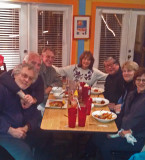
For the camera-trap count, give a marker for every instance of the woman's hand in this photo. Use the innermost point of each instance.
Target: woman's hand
(111, 106)
(124, 132)
(117, 108)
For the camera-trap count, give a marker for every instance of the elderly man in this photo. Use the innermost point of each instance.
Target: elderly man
(36, 90)
(19, 125)
(48, 73)
(114, 81)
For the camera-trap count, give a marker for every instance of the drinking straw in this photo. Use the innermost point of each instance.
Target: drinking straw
(78, 102)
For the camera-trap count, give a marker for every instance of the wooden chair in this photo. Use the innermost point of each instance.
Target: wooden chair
(3, 68)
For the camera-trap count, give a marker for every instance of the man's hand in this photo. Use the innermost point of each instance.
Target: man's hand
(48, 90)
(25, 105)
(19, 133)
(27, 101)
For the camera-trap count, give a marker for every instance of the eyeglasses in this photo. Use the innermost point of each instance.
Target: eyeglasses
(24, 75)
(109, 65)
(139, 80)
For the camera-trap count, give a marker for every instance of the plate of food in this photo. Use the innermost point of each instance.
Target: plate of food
(99, 102)
(56, 103)
(96, 90)
(104, 116)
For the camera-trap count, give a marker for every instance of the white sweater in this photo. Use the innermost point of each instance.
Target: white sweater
(73, 72)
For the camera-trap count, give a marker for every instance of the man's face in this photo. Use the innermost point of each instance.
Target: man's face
(36, 62)
(110, 67)
(25, 78)
(48, 58)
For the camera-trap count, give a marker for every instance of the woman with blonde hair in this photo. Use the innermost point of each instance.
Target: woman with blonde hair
(128, 70)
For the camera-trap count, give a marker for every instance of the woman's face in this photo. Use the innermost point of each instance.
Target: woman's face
(140, 83)
(86, 63)
(128, 74)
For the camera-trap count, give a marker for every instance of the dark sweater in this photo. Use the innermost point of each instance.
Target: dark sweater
(12, 114)
(114, 87)
(134, 113)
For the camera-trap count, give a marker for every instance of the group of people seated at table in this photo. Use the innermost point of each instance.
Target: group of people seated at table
(28, 85)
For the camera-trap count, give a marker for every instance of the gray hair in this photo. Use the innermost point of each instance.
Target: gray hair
(48, 49)
(113, 58)
(30, 56)
(17, 70)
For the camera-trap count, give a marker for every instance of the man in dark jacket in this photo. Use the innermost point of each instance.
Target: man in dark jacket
(114, 81)
(17, 123)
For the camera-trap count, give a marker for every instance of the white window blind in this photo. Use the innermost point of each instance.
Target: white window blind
(50, 32)
(111, 29)
(9, 36)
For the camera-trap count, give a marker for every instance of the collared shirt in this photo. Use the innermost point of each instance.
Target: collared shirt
(50, 77)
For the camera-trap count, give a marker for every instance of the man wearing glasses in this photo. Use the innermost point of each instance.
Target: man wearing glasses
(114, 81)
(19, 124)
(48, 73)
(36, 90)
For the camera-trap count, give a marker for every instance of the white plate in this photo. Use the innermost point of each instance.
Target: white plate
(57, 89)
(97, 101)
(52, 100)
(96, 90)
(99, 113)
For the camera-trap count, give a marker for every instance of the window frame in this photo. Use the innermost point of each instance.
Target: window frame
(67, 29)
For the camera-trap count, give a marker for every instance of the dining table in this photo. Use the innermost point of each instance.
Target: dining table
(56, 119)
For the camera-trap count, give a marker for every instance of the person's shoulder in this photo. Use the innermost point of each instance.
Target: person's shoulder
(9, 73)
(42, 68)
(39, 80)
(2, 87)
(52, 69)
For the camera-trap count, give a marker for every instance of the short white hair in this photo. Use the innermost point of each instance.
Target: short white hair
(17, 70)
(30, 56)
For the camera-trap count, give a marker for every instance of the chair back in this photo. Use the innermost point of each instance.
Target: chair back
(1, 60)
(2, 65)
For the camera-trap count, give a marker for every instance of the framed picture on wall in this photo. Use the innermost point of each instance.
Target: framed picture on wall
(81, 27)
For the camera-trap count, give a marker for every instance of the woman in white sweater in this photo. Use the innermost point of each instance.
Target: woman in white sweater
(84, 71)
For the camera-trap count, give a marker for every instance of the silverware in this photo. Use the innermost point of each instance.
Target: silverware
(99, 125)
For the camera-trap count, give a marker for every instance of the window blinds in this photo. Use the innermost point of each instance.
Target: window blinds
(9, 36)
(111, 29)
(50, 30)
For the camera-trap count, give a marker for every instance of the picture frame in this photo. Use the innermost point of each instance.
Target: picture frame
(81, 27)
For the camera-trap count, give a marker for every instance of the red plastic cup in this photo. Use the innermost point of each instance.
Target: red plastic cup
(82, 116)
(88, 106)
(72, 115)
(86, 91)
